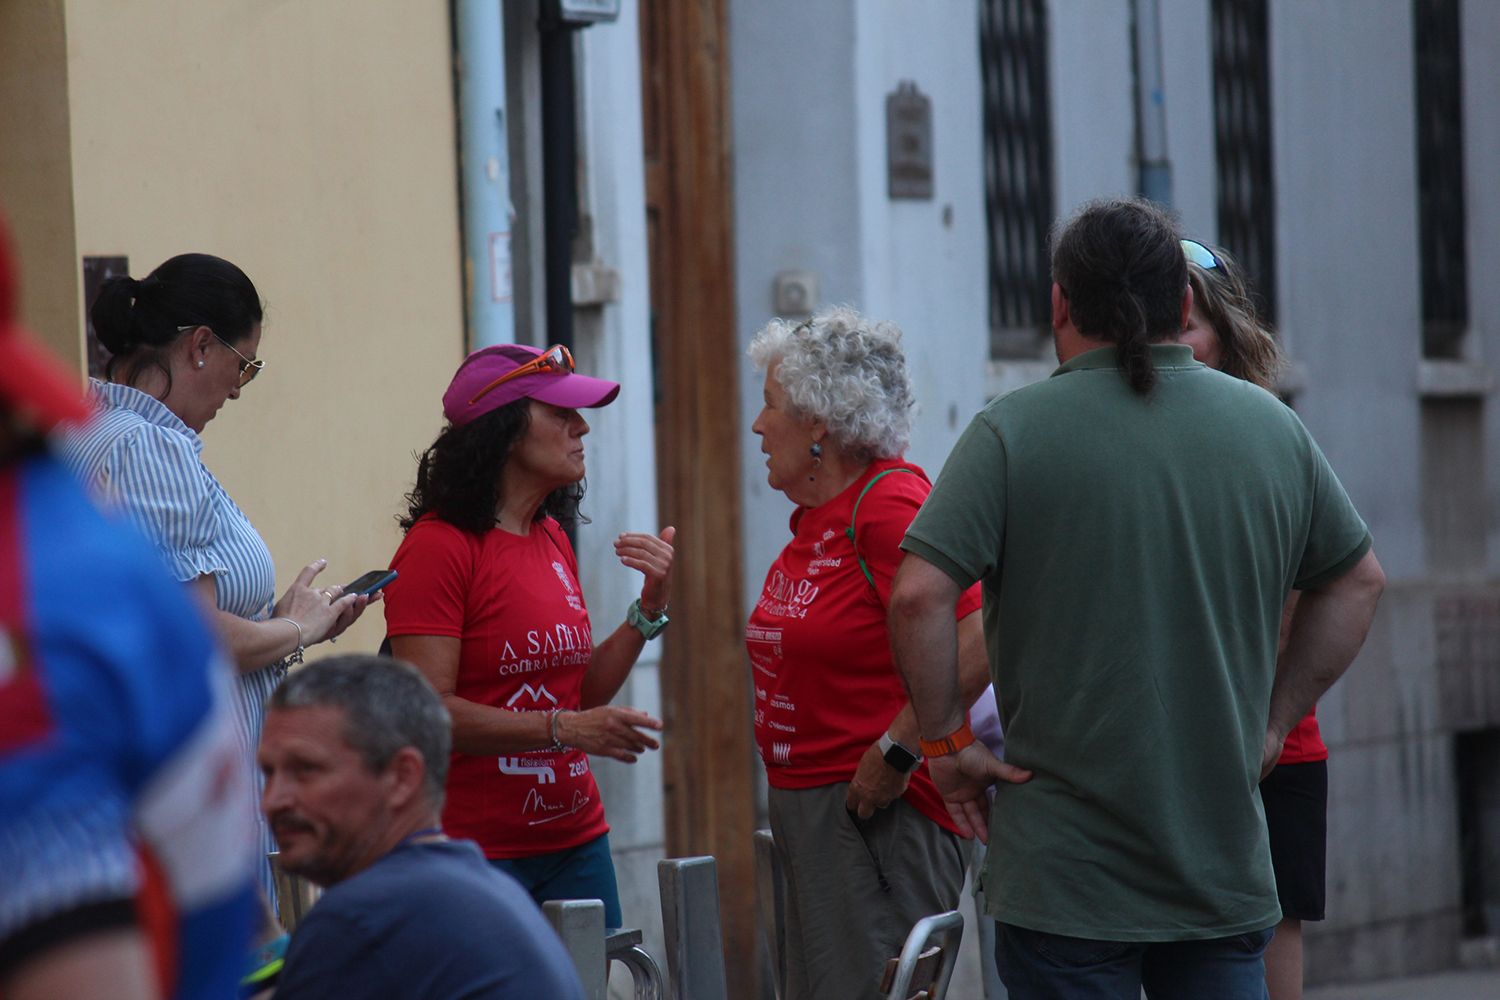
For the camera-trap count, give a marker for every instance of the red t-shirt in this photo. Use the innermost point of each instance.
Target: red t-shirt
(1304, 744)
(825, 684)
(515, 604)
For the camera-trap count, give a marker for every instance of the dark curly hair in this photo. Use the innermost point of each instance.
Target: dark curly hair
(458, 476)
(1119, 262)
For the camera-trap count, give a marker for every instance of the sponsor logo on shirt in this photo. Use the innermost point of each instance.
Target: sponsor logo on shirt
(785, 598)
(562, 575)
(545, 775)
(558, 645)
(543, 811)
(781, 753)
(536, 694)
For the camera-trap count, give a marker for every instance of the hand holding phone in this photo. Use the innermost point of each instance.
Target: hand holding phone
(370, 582)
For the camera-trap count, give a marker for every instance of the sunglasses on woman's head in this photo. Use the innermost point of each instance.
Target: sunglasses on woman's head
(1199, 254)
(555, 360)
(249, 367)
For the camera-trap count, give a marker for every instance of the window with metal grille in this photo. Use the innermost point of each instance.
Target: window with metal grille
(1440, 178)
(1242, 142)
(1017, 173)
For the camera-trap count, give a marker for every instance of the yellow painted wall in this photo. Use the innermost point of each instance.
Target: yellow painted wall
(36, 190)
(313, 144)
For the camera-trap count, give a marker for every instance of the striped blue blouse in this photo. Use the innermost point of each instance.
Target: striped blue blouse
(139, 458)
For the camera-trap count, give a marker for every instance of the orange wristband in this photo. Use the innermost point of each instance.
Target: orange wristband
(952, 743)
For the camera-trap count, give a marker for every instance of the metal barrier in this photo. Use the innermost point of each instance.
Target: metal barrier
(580, 924)
(295, 895)
(937, 962)
(770, 905)
(690, 924)
(624, 946)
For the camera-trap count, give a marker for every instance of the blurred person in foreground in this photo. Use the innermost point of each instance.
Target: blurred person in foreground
(1226, 333)
(355, 756)
(1138, 521)
(865, 841)
(124, 832)
(489, 608)
(183, 342)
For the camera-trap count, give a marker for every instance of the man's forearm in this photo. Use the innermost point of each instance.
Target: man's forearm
(1327, 630)
(973, 678)
(924, 642)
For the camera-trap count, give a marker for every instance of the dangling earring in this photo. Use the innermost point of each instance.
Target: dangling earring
(816, 451)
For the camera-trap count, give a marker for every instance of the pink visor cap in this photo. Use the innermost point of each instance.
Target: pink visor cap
(487, 364)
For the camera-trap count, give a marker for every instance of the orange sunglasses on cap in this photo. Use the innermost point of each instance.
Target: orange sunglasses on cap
(555, 360)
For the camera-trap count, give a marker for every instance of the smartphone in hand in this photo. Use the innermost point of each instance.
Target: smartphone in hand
(370, 582)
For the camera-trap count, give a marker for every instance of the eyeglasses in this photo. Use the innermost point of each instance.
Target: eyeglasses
(1199, 254)
(249, 367)
(555, 360)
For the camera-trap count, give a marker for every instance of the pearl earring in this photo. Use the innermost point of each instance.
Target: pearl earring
(200, 363)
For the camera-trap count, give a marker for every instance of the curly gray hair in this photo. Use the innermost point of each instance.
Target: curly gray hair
(847, 371)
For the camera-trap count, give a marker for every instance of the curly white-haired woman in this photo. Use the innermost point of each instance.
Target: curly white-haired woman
(865, 841)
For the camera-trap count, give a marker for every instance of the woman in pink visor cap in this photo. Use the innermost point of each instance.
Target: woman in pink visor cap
(487, 605)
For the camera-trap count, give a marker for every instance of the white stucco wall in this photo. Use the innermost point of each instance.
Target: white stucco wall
(1093, 111)
(1480, 20)
(809, 89)
(1346, 223)
(614, 341)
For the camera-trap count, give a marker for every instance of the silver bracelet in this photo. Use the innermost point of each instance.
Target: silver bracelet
(557, 744)
(295, 656)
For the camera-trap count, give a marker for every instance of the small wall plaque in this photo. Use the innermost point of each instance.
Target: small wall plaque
(908, 136)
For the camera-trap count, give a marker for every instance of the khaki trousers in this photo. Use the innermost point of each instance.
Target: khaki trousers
(854, 889)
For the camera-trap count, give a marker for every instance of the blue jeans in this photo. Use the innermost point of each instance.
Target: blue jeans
(582, 872)
(1039, 966)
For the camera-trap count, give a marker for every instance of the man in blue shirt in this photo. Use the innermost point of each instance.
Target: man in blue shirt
(124, 823)
(355, 754)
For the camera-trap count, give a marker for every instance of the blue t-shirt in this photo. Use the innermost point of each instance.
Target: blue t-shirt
(121, 798)
(429, 921)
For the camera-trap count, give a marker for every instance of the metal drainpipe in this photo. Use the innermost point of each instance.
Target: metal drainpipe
(485, 172)
(559, 172)
(1155, 178)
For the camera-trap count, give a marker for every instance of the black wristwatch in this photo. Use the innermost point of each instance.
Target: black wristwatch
(900, 757)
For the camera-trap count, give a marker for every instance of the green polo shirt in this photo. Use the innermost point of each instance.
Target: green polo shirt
(1135, 552)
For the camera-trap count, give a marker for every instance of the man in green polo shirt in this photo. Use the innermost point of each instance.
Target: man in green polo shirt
(1138, 521)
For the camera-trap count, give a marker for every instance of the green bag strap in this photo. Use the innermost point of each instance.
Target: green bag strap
(854, 516)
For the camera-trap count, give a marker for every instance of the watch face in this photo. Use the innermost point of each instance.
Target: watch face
(900, 758)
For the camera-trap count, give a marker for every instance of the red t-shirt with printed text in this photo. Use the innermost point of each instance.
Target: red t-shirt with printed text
(826, 686)
(516, 607)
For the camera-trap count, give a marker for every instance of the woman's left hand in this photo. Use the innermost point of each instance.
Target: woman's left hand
(652, 555)
(875, 785)
(350, 607)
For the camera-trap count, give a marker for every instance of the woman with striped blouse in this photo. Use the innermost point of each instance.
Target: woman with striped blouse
(183, 342)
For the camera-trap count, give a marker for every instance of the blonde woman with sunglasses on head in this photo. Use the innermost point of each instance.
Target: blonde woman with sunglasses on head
(488, 606)
(1225, 332)
(183, 342)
